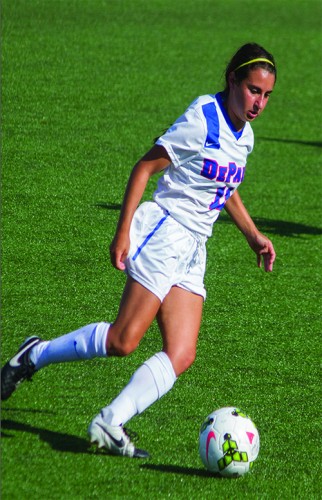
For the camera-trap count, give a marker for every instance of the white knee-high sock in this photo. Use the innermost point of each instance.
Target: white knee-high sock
(149, 383)
(86, 343)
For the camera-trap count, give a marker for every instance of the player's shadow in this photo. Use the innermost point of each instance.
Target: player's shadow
(57, 440)
(176, 469)
(72, 444)
(28, 410)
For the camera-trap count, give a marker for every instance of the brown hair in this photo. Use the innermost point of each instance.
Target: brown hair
(242, 62)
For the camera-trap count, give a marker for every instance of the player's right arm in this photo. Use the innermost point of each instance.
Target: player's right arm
(155, 160)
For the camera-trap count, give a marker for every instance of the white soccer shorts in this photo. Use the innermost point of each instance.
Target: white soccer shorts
(163, 253)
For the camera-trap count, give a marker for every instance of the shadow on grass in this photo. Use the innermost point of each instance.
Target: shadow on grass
(72, 444)
(57, 440)
(27, 410)
(271, 226)
(108, 206)
(278, 227)
(315, 144)
(176, 469)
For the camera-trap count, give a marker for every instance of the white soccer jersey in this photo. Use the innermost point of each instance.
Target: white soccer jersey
(208, 160)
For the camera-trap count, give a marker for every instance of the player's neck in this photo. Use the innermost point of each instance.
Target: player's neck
(235, 120)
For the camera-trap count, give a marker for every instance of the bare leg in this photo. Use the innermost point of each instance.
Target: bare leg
(179, 319)
(137, 310)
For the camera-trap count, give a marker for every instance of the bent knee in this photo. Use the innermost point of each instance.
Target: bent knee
(120, 348)
(120, 344)
(182, 361)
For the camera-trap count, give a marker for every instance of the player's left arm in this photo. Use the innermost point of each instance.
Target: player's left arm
(259, 243)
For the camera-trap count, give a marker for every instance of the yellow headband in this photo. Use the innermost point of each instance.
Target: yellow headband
(259, 59)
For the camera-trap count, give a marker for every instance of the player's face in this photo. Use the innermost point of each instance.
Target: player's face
(248, 99)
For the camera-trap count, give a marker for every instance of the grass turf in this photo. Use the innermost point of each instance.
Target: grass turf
(86, 86)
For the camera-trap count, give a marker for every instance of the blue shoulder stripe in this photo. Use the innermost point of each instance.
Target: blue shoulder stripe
(210, 113)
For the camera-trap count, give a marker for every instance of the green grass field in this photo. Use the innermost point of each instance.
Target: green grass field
(86, 86)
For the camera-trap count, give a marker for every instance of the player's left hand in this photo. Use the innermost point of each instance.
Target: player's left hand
(264, 249)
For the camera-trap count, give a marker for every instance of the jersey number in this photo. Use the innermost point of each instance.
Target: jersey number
(222, 196)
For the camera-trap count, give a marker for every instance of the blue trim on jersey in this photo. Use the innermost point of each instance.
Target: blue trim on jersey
(210, 113)
(149, 236)
(219, 99)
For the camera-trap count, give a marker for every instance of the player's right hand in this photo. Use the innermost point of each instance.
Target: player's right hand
(119, 249)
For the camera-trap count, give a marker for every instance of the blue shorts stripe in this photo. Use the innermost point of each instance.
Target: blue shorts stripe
(149, 236)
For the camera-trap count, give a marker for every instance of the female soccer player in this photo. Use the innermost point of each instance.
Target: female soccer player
(161, 245)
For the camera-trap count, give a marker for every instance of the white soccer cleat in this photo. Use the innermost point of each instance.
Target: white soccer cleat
(113, 438)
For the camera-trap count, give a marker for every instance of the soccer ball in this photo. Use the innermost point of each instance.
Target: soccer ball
(228, 442)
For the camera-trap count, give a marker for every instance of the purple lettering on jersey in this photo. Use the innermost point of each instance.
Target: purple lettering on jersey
(221, 177)
(239, 175)
(209, 169)
(220, 173)
(232, 168)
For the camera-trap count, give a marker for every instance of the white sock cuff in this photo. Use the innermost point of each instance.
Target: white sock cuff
(150, 382)
(90, 341)
(162, 371)
(100, 338)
